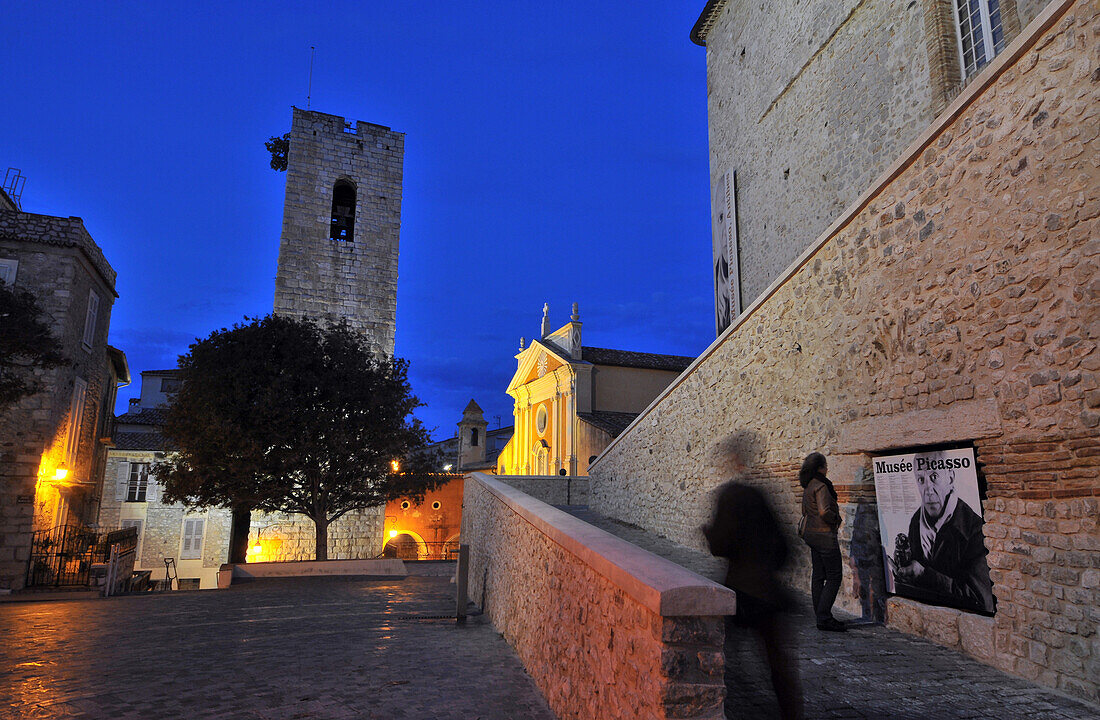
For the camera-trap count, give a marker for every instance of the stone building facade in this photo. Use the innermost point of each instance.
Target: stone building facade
(338, 261)
(52, 443)
(955, 301)
(196, 540)
(572, 399)
(341, 224)
(807, 106)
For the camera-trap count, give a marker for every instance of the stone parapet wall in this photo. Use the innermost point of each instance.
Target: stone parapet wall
(551, 489)
(956, 300)
(606, 629)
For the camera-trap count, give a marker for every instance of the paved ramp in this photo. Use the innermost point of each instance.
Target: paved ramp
(868, 672)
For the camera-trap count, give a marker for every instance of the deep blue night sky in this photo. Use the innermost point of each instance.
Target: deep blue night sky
(555, 152)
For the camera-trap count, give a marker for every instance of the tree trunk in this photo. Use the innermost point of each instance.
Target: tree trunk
(238, 534)
(322, 537)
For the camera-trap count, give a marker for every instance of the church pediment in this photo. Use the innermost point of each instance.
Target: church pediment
(535, 363)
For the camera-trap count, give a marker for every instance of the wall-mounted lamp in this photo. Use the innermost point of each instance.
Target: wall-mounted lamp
(61, 472)
(395, 465)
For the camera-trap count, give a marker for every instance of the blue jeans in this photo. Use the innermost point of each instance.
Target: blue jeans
(825, 581)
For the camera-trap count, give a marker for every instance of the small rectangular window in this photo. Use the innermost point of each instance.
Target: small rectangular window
(90, 320)
(138, 488)
(980, 33)
(8, 269)
(169, 385)
(192, 539)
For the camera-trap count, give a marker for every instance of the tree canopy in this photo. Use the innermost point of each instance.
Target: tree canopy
(287, 415)
(26, 343)
(279, 147)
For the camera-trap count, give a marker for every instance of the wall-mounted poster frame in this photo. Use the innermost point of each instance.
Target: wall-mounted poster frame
(931, 527)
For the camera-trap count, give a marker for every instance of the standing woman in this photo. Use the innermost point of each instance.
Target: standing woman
(822, 520)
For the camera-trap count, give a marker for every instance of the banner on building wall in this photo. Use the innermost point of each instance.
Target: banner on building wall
(930, 522)
(725, 253)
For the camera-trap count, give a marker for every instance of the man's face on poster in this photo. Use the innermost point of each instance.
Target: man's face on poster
(935, 486)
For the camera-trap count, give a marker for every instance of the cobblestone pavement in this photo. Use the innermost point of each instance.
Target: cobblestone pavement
(298, 648)
(868, 672)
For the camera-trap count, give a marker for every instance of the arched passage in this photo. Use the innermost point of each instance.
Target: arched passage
(406, 545)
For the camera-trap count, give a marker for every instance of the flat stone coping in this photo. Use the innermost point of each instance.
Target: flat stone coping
(658, 584)
(382, 567)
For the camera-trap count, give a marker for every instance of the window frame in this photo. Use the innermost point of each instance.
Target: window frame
(91, 319)
(194, 553)
(76, 419)
(989, 49)
(138, 484)
(9, 267)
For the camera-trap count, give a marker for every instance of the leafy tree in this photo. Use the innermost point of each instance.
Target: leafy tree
(26, 343)
(278, 147)
(286, 415)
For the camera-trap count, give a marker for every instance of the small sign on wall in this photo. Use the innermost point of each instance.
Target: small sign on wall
(930, 523)
(24, 499)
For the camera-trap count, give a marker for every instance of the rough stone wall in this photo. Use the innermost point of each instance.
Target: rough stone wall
(808, 107)
(59, 264)
(319, 277)
(958, 300)
(285, 537)
(593, 651)
(551, 489)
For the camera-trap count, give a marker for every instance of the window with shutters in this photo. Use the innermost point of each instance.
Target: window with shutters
(980, 33)
(76, 419)
(90, 320)
(137, 487)
(191, 549)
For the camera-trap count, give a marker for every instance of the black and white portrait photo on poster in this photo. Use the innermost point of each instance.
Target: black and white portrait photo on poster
(930, 522)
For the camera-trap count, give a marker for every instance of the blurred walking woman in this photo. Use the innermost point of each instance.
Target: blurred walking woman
(821, 518)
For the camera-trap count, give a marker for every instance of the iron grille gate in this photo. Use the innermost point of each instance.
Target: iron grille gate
(63, 556)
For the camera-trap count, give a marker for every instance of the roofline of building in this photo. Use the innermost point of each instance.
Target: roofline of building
(92, 259)
(122, 368)
(706, 21)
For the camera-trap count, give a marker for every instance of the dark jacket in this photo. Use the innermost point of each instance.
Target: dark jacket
(822, 512)
(744, 530)
(956, 571)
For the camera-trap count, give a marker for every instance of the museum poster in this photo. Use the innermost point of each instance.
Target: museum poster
(930, 522)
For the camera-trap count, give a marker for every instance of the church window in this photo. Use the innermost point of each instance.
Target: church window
(981, 35)
(541, 420)
(473, 437)
(343, 211)
(138, 487)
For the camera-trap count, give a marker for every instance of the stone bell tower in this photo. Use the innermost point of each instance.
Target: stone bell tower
(341, 222)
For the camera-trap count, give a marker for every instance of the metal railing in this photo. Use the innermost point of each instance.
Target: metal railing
(405, 547)
(63, 556)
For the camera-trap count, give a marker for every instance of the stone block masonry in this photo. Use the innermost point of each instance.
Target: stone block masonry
(956, 300)
(354, 279)
(606, 630)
